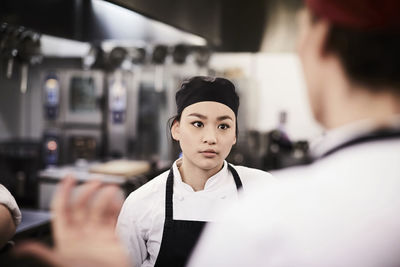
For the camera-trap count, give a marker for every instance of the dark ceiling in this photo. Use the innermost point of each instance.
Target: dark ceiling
(228, 25)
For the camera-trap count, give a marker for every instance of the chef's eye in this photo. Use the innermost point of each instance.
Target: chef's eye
(223, 126)
(197, 124)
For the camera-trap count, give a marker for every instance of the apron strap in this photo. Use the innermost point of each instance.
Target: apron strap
(170, 186)
(168, 195)
(236, 177)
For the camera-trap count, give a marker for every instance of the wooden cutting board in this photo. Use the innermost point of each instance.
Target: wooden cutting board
(125, 168)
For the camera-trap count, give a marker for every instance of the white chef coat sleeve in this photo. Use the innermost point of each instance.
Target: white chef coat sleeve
(8, 200)
(130, 232)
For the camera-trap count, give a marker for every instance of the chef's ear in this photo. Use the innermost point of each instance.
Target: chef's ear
(175, 130)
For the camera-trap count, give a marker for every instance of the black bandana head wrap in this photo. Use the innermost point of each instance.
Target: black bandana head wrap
(202, 88)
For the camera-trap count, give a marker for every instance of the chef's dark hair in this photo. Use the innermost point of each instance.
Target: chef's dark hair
(371, 58)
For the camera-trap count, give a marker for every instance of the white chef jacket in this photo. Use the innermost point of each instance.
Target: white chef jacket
(8, 200)
(141, 221)
(341, 211)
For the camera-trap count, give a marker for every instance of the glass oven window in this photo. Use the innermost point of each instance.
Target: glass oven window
(82, 95)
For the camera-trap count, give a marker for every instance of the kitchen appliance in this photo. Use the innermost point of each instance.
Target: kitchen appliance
(74, 115)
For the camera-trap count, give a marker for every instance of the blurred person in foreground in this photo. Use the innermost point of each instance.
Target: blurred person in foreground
(342, 210)
(10, 216)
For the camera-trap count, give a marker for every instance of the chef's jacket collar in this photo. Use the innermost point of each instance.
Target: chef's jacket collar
(212, 183)
(334, 138)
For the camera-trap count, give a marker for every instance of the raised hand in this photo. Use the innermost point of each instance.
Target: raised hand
(83, 228)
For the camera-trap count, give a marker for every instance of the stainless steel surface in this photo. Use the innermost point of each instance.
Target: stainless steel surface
(50, 177)
(32, 219)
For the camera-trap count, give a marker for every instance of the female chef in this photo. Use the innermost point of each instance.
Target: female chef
(161, 221)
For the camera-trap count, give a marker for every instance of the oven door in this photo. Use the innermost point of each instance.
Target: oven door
(81, 92)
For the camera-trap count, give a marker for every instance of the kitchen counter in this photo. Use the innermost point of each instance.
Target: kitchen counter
(130, 180)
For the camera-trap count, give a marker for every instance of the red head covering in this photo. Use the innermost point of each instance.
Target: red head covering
(359, 14)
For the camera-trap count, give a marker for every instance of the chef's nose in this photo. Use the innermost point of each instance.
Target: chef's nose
(209, 136)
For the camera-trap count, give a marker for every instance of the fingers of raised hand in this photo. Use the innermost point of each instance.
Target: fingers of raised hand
(105, 209)
(81, 205)
(85, 209)
(60, 204)
(71, 204)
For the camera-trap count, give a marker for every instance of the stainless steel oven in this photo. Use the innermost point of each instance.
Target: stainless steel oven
(78, 125)
(81, 94)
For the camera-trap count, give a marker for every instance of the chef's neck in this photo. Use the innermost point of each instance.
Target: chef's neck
(354, 104)
(195, 176)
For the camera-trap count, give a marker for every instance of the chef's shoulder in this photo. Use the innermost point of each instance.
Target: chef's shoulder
(150, 192)
(251, 175)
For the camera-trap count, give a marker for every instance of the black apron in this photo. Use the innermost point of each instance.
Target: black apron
(180, 236)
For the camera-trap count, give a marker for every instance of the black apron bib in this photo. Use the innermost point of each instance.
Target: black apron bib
(180, 236)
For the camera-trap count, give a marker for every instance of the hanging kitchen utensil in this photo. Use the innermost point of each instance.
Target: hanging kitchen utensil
(138, 55)
(160, 52)
(116, 57)
(10, 50)
(101, 57)
(90, 58)
(29, 54)
(180, 53)
(4, 29)
(202, 55)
